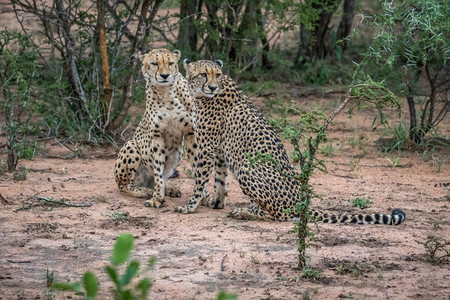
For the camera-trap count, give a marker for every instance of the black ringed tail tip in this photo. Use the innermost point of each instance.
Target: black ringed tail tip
(397, 216)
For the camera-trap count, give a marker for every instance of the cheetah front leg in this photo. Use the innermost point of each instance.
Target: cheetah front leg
(219, 183)
(157, 146)
(191, 145)
(203, 170)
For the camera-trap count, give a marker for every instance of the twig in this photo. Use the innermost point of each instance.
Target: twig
(3, 200)
(331, 117)
(40, 200)
(19, 261)
(222, 264)
(258, 90)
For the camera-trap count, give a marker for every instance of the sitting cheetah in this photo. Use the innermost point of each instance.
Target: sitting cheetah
(150, 157)
(232, 133)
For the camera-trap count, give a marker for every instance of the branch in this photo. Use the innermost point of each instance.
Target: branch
(334, 114)
(40, 200)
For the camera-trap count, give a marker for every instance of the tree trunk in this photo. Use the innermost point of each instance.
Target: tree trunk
(187, 33)
(346, 23)
(142, 32)
(415, 133)
(266, 64)
(11, 133)
(107, 92)
(231, 32)
(211, 44)
(313, 43)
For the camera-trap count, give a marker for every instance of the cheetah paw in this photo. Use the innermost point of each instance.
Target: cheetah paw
(154, 202)
(185, 209)
(241, 214)
(173, 192)
(215, 203)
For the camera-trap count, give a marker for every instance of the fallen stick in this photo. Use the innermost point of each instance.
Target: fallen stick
(45, 200)
(19, 261)
(222, 264)
(3, 200)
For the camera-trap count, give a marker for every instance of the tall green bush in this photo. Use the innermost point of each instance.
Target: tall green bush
(410, 53)
(17, 74)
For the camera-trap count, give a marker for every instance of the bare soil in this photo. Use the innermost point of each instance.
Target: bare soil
(200, 254)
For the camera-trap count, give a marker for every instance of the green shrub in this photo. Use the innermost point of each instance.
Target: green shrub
(126, 286)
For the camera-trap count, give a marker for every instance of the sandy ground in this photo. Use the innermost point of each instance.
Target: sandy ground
(200, 254)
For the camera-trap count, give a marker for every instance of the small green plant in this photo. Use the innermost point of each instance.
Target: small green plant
(3, 167)
(49, 277)
(125, 286)
(401, 139)
(342, 269)
(360, 202)
(20, 174)
(437, 250)
(356, 270)
(254, 259)
(225, 296)
(357, 140)
(436, 224)
(28, 151)
(438, 163)
(328, 150)
(354, 163)
(311, 273)
(118, 215)
(394, 160)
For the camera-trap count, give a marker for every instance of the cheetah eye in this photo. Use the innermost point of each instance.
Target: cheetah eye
(203, 74)
(218, 75)
(171, 63)
(154, 63)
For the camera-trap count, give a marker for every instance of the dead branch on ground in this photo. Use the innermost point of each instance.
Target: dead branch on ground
(37, 200)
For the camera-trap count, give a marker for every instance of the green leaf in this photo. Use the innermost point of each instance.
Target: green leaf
(151, 262)
(90, 285)
(67, 286)
(122, 249)
(113, 275)
(131, 271)
(224, 296)
(127, 295)
(144, 286)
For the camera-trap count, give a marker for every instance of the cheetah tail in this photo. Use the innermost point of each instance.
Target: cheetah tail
(395, 218)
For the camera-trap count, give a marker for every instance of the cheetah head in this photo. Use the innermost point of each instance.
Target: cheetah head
(204, 76)
(160, 66)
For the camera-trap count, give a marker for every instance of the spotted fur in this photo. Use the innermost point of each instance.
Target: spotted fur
(232, 133)
(150, 157)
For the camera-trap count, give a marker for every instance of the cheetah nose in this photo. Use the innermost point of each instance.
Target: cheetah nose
(164, 76)
(212, 88)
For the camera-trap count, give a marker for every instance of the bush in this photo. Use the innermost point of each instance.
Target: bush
(410, 53)
(17, 75)
(125, 286)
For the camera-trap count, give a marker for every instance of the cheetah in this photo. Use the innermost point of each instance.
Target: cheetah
(231, 133)
(150, 157)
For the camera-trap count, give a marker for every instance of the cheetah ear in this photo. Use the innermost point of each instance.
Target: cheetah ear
(219, 62)
(141, 56)
(177, 53)
(186, 63)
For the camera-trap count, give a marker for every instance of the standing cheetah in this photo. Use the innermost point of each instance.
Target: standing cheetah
(149, 158)
(232, 133)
